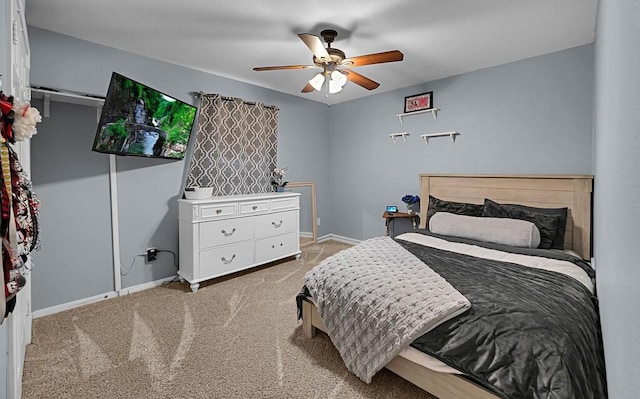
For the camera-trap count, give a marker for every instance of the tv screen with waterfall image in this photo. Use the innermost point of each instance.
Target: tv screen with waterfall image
(139, 120)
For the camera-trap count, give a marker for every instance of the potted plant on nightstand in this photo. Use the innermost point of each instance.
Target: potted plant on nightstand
(413, 203)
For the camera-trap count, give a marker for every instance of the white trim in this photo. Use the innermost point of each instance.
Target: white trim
(336, 237)
(306, 234)
(146, 286)
(115, 236)
(74, 304)
(97, 298)
(65, 97)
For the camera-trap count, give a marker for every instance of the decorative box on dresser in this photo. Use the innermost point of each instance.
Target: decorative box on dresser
(223, 235)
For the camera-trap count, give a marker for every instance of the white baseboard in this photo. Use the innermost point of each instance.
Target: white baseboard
(97, 298)
(74, 304)
(336, 237)
(305, 234)
(146, 286)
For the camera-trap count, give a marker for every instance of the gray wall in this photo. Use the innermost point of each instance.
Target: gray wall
(72, 181)
(617, 189)
(531, 116)
(72, 184)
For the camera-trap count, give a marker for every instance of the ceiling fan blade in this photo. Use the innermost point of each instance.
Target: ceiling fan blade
(377, 58)
(307, 89)
(276, 68)
(361, 80)
(315, 45)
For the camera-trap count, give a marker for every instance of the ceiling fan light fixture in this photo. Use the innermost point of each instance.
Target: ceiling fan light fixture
(317, 81)
(334, 88)
(337, 82)
(339, 78)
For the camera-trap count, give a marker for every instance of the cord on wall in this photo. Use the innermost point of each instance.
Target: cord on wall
(133, 263)
(150, 255)
(174, 257)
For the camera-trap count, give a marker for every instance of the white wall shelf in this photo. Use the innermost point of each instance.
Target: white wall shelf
(453, 135)
(72, 98)
(434, 111)
(404, 136)
(425, 137)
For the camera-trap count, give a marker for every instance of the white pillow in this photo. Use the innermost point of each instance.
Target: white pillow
(513, 232)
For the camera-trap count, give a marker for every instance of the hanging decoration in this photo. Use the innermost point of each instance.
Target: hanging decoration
(19, 225)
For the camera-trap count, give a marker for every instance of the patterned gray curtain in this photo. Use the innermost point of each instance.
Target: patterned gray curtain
(236, 146)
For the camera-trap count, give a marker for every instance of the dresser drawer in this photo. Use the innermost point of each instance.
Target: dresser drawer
(220, 260)
(218, 211)
(253, 207)
(276, 247)
(276, 223)
(223, 232)
(281, 204)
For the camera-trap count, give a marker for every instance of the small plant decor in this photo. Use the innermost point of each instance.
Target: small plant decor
(277, 182)
(413, 203)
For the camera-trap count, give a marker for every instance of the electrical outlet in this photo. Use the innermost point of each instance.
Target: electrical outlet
(318, 222)
(152, 254)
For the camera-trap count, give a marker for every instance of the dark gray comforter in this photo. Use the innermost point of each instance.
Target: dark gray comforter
(530, 333)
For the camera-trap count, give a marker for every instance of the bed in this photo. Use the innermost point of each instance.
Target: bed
(435, 371)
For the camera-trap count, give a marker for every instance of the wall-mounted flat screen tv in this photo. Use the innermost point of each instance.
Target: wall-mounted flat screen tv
(141, 121)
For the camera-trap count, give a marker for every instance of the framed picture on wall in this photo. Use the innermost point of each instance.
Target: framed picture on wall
(418, 102)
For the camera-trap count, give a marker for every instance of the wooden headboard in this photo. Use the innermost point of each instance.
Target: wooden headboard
(542, 191)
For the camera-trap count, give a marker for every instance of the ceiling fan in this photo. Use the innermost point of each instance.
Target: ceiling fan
(335, 64)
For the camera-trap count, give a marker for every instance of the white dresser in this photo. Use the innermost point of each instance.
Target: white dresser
(222, 235)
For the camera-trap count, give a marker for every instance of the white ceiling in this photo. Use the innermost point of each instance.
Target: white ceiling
(439, 38)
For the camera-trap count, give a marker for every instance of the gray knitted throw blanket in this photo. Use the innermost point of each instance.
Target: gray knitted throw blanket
(375, 298)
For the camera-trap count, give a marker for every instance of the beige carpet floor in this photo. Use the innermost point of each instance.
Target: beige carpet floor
(237, 337)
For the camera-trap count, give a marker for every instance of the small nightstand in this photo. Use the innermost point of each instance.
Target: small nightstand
(400, 216)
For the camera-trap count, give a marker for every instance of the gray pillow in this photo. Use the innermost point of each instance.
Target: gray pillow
(512, 232)
(546, 224)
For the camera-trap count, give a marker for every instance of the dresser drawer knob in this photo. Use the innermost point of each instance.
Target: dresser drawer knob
(254, 207)
(276, 225)
(218, 211)
(228, 234)
(226, 262)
